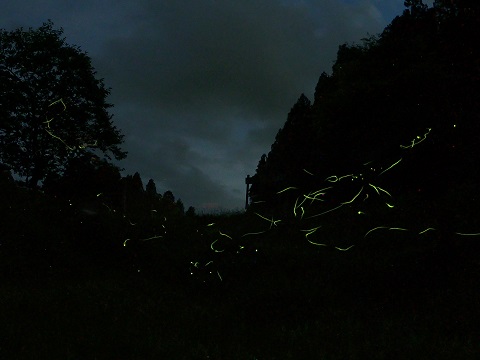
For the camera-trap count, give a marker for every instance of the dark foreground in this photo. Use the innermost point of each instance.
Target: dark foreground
(368, 303)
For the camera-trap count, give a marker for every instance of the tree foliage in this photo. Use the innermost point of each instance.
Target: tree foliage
(422, 72)
(52, 108)
(288, 156)
(151, 189)
(85, 175)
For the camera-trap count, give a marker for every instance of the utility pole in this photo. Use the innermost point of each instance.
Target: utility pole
(248, 181)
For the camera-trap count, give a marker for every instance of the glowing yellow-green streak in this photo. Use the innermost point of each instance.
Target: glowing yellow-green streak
(325, 212)
(353, 199)
(390, 206)
(377, 188)
(299, 205)
(313, 198)
(151, 238)
(401, 229)
(311, 231)
(263, 217)
(57, 101)
(211, 224)
(272, 222)
(316, 193)
(344, 249)
(464, 234)
(385, 191)
(320, 192)
(85, 145)
(225, 235)
(378, 227)
(219, 276)
(125, 242)
(254, 233)
(56, 137)
(415, 142)
(391, 166)
(48, 130)
(53, 103)
(308, 172)
(424, 231)
(335, 178)
(384, 227)
(289, 188)
(336, 247)
(314, 243)
(211, 247)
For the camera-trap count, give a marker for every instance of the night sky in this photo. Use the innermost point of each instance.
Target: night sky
(200, 88)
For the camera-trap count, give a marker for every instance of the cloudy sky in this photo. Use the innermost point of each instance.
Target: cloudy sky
(201, 87)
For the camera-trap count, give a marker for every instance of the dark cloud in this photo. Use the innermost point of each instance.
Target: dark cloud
(227, 54)
(201, 87)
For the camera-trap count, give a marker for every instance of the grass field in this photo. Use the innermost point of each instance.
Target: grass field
(361, 304)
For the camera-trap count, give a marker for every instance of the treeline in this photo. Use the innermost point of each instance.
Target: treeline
(91, 216)
(92, 183)
(397, 119)
(410, 94)
(73, 207)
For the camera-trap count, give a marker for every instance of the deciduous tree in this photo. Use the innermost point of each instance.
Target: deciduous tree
(52, 107)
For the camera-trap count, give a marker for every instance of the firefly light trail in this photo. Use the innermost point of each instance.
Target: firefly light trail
(313, 206)
(50, 132)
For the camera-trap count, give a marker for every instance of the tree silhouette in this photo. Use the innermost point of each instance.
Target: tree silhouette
(260, 182)
(134, 205)
(415, 6)
(52, 106)
(180, 207)
(418, 79)
(190, 212)
(151, 189)
(87, 182)
(168, 197)
(288, 156)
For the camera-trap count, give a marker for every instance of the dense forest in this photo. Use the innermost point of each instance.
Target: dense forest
(396, 122)
(360, 239)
